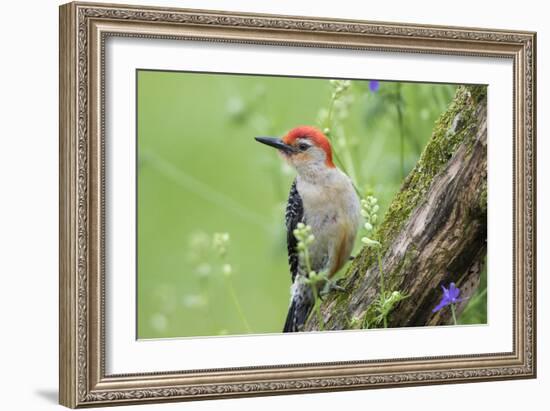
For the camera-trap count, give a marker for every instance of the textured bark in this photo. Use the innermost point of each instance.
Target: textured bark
(434, 231)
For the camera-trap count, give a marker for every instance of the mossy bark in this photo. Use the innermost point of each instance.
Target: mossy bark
(434, 231)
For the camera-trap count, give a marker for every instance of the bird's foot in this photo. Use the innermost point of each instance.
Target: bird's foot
(331, 286)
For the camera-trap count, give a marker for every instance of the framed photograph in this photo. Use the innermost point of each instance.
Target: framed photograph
(260, 204)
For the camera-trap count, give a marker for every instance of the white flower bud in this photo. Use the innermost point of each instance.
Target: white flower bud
(369, 243)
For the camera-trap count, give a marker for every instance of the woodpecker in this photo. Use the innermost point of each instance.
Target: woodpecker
(324, 198)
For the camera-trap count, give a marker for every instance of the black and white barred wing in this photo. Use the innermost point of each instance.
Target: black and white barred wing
(294, 215)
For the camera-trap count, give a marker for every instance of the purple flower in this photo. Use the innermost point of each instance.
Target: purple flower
(450, 296)
(374, 85)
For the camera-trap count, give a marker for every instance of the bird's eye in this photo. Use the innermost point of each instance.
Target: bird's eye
(303, 146)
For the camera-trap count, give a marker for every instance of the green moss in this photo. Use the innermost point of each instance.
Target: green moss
(451, 130)
(454, 127)
(478, 93)
(369, 317)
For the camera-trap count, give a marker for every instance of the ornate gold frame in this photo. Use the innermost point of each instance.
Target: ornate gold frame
(83, 30)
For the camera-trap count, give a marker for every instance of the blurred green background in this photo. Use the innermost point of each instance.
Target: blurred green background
(200, 172)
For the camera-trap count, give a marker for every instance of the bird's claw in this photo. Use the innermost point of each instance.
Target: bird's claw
(331, 286)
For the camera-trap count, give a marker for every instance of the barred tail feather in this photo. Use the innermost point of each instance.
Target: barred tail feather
(298, 312)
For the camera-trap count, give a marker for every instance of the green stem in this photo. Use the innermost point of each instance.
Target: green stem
(317, 307)
(330, 110)
(349, 159)
(453, 311)
(233, 295)
(337, 157)
(329, 125)
(343, 168)
(401, 132)
(308, 263)
(382, 287)
(204, 292)
(313, 286)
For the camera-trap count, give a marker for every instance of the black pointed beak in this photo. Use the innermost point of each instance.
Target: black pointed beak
(277, 143)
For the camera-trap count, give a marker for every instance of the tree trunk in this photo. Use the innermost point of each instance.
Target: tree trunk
(434, 231)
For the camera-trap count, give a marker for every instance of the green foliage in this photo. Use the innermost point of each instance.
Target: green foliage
(476, 308)
(384, 305)
(314, 280)
(386, 299)
(200, 172)
(434, 157)
(369, 210)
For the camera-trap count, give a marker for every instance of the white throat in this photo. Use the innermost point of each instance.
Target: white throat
(316, 172)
